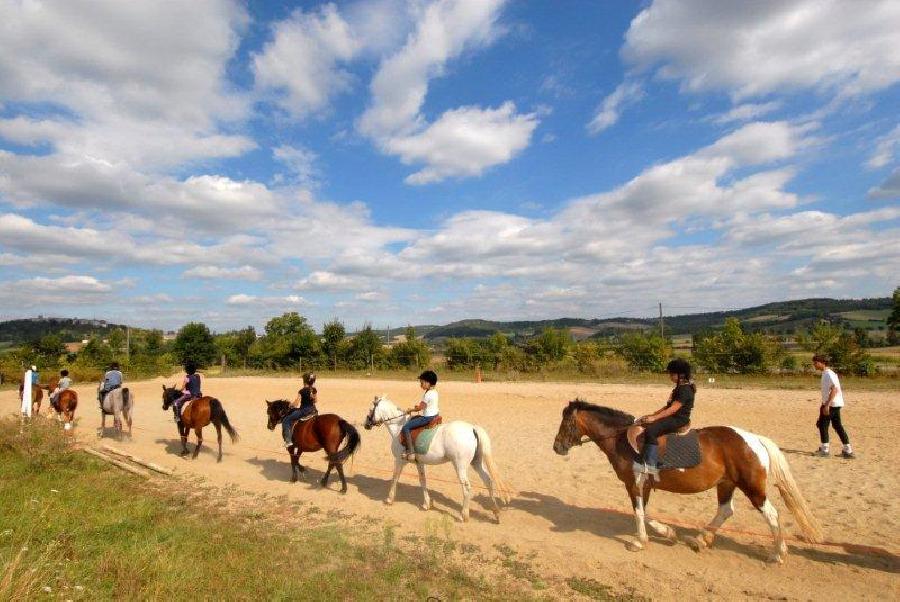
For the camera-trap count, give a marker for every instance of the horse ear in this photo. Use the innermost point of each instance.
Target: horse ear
(268, 403)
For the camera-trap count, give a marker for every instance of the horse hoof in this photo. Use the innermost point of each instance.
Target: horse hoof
(344, 490)
(635, 546)
(425, 507)
(776, 559)
(388, 502)
(696, 543)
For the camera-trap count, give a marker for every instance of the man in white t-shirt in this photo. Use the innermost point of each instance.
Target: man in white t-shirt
(830, 410)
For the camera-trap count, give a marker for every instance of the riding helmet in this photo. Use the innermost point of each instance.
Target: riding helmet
(190, 367)
(429, 376)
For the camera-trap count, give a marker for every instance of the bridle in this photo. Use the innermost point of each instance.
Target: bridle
(586, 439)
(375, 423)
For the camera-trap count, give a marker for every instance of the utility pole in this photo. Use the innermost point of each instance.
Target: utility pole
(128, 343)
(661, 329)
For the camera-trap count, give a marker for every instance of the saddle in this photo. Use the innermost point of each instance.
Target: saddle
(416, 432)
(680, 449)
(125, 394)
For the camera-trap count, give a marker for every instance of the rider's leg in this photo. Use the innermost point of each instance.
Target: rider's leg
(414, 423)
(287, 425)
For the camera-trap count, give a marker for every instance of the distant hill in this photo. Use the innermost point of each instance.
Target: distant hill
(782, 317)
(15, 332)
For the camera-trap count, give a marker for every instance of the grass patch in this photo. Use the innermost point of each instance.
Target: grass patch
(75, 528)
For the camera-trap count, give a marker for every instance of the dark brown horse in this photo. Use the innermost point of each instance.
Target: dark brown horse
(196, 414)
(37, 395)
(324, 431)
(732, 459)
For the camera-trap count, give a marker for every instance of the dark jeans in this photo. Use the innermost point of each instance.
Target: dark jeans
(834, 419)
(414, 423)
(287, 425)
(663, 426)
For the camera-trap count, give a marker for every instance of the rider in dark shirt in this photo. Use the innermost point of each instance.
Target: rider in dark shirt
(669, 419)
(304, 405)
(190, 388)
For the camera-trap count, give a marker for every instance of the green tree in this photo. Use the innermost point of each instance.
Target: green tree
(366, 349)
(195, 343)
(840, 346)
(552, 345)
(289, 341)
(46, 351)
(116, 339)
(153, 343)
(646, 353)
(411, 353)
(893, 320)
(334, 335)
(732, 350)
(586, 354)
(96, 353)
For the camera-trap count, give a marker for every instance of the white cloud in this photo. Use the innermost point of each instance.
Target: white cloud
(464, 142)
(212, 272)
(885, 148)
(372, 297)
(889, 189)
(145, 82)
(300, 63)
(301, 162)
(330, 282)
(63, 291)
(460, 142)
(755, 48)
(269, 302)
(610, 109)
(746, 112)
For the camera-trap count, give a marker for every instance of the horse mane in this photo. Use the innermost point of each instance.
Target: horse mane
(609, 416)
(279, 402)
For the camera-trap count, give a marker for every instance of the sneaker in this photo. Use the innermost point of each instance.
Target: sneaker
(848, 455)
(821, 453)
(410, 456)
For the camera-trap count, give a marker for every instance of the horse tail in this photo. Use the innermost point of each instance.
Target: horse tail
(353, 440)
(218, 413)
(783, 479)
(127, 402)
(487, 456)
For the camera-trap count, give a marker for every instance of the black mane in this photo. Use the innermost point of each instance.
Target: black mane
(609, 416)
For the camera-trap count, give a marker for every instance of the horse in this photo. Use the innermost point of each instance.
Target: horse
(325, 431)
(458, 442)
(196, 414)
(65, 405)
(118, 403)
(37, 395)
(731, 459)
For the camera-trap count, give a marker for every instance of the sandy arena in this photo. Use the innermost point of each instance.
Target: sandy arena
(571, 512)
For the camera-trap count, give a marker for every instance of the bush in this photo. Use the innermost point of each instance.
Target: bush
(731, 350)
(841, 348)
(645, 353)
(195, 343)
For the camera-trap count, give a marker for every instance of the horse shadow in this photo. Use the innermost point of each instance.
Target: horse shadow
(567, 518)
(173, 446)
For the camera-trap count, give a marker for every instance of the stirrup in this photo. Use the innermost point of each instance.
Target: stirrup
(410, 457)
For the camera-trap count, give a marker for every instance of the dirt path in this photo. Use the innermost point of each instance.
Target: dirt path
(571, 514)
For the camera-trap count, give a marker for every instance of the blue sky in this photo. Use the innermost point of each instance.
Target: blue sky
(416, 161)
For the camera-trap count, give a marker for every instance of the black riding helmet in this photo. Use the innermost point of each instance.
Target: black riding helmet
(190, 367)
(309, 378)
(681, 367)
(429, 376)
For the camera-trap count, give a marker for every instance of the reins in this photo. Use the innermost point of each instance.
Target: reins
(587, 438)
(383, 420)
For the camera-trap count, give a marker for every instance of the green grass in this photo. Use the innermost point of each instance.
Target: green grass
(72, 527)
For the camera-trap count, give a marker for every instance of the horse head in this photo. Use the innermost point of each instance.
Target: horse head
(276, 411)
(169, 395)
(382, 409)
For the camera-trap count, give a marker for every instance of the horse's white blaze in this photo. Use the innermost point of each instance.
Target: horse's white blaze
(755, 444)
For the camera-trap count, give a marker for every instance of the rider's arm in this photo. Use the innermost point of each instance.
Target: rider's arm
(663, 412)
(417, 408)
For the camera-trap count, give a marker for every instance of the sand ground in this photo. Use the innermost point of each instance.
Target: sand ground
(570, 515)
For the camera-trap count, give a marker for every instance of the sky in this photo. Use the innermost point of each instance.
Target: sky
(422, 161)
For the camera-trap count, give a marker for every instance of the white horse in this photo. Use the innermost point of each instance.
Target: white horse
(118, 402)
(458, 442)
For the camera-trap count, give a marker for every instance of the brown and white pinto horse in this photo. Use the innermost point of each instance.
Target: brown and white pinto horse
(201, 412)
(37, 395)
(732, 459)
(323, 431)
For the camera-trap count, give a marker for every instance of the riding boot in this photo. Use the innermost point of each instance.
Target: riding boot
(651, 459)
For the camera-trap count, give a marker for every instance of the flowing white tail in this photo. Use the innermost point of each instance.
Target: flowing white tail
(484, 448)
(783, 479)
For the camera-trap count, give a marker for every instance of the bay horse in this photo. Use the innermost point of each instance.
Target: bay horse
(322, 431)
(37, 395)
(196, 414)
(731, 459)
(458, 442)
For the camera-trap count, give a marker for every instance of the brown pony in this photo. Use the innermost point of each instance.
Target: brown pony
(201, 412)
(732, 459)
(37, 394)
(324, 431)
(65, 405)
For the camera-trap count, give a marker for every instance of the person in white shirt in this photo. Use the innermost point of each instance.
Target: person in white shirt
(830, 410)
(429, 408)
(64, 383)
